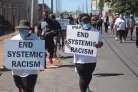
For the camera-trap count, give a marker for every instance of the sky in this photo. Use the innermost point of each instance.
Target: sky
(70, 5)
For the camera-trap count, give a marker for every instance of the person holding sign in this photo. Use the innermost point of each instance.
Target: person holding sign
(85, 65)
(25, 80)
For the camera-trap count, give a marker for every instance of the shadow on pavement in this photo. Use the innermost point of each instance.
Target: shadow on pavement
(107, 74)
(70, 66)
(65, 57)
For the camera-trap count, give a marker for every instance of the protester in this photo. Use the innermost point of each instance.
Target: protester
(112, 25)
(71, 20)
(132, 25)
(137, 36)
(106, 22)
(116, 29)
(120, 25)
(46, 29)
(99, 23)
(25, 80)
(85, 65)
(127, 25)
(58, 33)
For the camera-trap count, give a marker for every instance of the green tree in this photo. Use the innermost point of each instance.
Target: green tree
(101, 5)
(123, 6)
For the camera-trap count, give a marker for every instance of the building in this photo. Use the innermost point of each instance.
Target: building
(16, 10)
(40, 10)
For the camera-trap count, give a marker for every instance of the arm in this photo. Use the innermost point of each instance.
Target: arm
(100, 41)
(39, 30)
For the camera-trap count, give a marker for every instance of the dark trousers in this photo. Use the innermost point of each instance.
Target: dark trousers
(85, 74)
(121, 34)
(26, 83)
(137, 36)
(50, 46)
(106, 27)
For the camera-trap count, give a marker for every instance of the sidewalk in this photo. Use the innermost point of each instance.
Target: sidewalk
(2, 46)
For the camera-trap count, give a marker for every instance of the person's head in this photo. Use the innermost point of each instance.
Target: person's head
(131, 16)
(117, 15)
(85, 20)
(53, 17)
(45, 15)
(121, 15)
(24, 28)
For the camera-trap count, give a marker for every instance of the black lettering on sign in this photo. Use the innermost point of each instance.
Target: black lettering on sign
(14, 64)
(25, 44)
(76, 27)
(81, 50)
(9, 54)
(26, 64)
(83, 34)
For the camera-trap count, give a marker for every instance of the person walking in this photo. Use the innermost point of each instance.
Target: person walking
(136, 36)
(85, 65)
(132, 26)
(25, 80)
(120, 25)
(106, 23)
(58, 34)
(46, 28)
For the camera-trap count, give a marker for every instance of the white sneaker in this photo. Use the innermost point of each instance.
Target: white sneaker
(116, 38)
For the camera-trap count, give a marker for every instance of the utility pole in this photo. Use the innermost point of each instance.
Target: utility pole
(43, 6)
(51, 6)
(32, 13)
(91, 6)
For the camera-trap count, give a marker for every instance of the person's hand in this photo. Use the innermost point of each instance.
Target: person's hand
(99, 45)
(65, 41)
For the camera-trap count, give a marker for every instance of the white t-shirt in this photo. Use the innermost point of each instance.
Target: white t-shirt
(24, 73)
(121, 24)
(81, 59)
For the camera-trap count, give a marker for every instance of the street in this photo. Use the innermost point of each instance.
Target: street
(117, 71)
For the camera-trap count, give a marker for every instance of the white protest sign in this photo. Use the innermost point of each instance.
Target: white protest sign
(74, 27)
(82, 42)
(136, 19)
(63, 23)
(27, 54)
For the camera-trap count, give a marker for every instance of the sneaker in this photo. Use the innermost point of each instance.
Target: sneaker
(88, 90)
(50, 60)
(120, 41)
(131, 39)
(116, 38)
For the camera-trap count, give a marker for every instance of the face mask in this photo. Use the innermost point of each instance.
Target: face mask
(86, 26)
(24, 33)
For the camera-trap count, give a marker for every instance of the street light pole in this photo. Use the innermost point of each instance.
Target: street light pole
(32, 13)
(51, 6)
(86, 6)
(43, 6)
